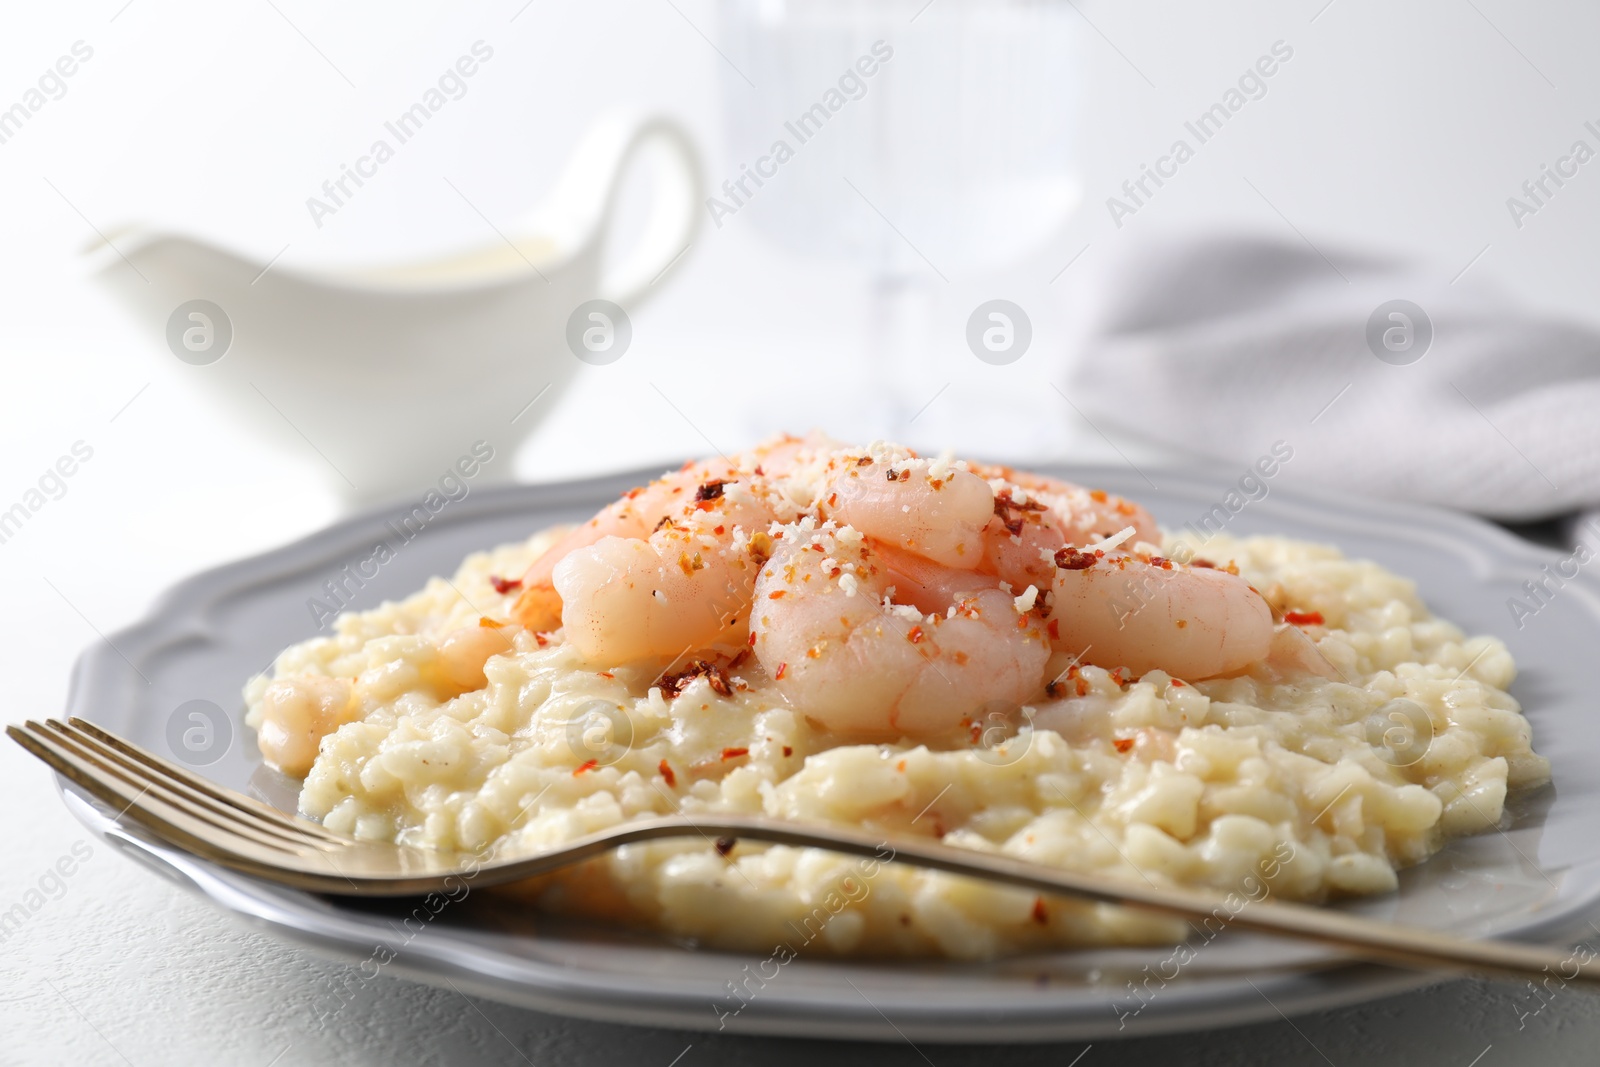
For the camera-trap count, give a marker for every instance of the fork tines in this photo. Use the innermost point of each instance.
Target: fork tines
(167, 799)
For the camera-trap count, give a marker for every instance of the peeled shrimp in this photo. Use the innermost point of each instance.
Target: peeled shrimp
(685, 587)
(297, 713)
(842, 652)
(938, 512)
(1121, 610)
(642, 510)
(1080, 514)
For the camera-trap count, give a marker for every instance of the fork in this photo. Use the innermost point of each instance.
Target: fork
(235, 831)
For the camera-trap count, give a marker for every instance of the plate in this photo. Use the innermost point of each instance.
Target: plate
(1535, 879)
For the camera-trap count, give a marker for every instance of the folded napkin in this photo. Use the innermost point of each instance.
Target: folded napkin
(1224, 346)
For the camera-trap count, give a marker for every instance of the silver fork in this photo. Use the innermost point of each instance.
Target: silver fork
(239, 832)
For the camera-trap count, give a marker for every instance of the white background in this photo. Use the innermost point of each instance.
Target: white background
(1398, 129)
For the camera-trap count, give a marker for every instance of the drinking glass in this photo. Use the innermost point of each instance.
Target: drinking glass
(920, 140)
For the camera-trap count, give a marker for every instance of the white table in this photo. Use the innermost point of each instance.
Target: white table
(228, 120)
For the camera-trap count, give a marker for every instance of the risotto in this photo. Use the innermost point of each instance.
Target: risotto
(445, 724)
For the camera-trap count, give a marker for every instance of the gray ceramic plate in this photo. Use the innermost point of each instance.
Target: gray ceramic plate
(1535, 880)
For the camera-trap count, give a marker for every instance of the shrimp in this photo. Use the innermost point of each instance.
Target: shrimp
(686, 586)
(936, 510)
(642, 510)
(839, 649)
(672, 568)
(297, 713)
(1147, 613)
(1080, 514)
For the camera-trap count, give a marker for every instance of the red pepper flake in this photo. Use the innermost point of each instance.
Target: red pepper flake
(901, 766)
(1179, 681)
(1054, 690)
(543, 639)
(777, 594)
(1303, 618)
(587, 765)
(708, 492)
(1054, 629)
(777, 675)
(1070, 559)
(666, 773)
(504, 585)
(607, 674)
(725, 845)
(718, 529)
(787, 751)
(915, 634)
(674, 683)
(1098, 496)
(1206, 563)
(488, 623)
(1159, 561)
(1082, 686)
(1123, 744)
(752, 641)
(734, 753)
(1012, 514)
(1040, 914)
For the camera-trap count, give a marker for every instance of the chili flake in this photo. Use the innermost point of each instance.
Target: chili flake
(1303, 618)
(504, 585)
(666, 773)
(1070, 559)
(675, 682)
(587, 765)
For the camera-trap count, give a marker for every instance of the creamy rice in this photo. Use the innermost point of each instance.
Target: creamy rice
(1207, 783)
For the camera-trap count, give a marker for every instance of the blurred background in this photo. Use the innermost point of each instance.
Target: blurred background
(839, 296)
(994, 152)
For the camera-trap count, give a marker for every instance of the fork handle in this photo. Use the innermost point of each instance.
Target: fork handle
(1370, 939)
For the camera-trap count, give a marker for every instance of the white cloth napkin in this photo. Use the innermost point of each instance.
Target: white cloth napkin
(1223, 346)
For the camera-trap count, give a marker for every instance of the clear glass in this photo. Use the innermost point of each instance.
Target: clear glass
(920, 140)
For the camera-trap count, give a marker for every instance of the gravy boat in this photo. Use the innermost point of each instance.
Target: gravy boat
(392, 374)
